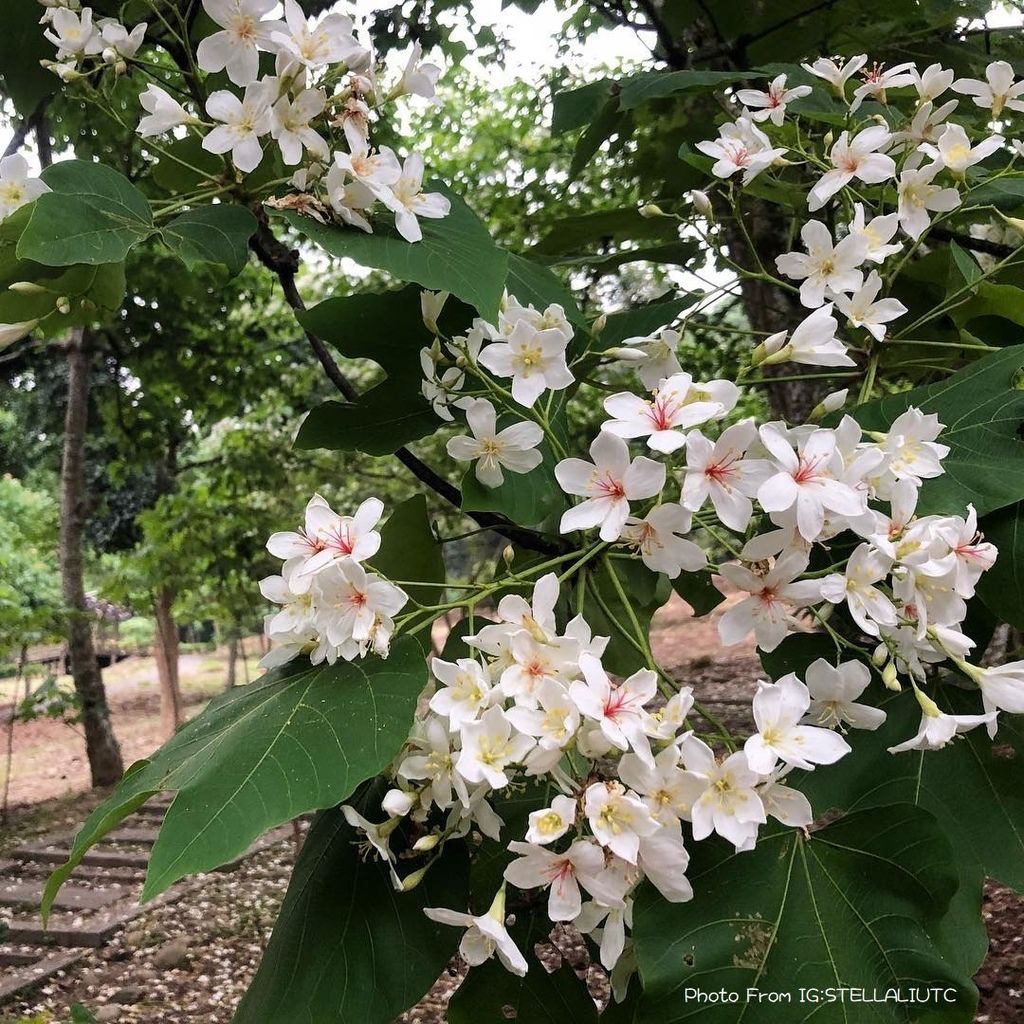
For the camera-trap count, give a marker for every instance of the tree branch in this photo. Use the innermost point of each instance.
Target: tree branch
(974, 244)
(284, 263)
(28, 124)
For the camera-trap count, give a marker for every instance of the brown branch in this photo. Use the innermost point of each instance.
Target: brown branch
(28, 124)
(997, 249)
(284, 263)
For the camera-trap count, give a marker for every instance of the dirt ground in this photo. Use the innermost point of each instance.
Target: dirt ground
(190, 962)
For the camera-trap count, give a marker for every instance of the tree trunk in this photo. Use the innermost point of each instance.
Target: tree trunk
(167, 661)
(105, 763)
(232, 660)
(245, 657)
(9, 758)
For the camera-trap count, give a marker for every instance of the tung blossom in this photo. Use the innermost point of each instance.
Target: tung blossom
(163, 112)
(836, 75)
(244, 121)
(236, 48)
(608, 484)
(858, 158)
(770, 105)
(17, 187)
(534, 359)
(406, 199)
(997, 92)
(955, 152)
(919, 197)
(862, 310)
(741, 146)
(827, 268)
(513, 448)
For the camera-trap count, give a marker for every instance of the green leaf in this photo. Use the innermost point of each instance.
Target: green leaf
(346, 946)
(966, 266)
(1002, 587)
(22, 47)
(796, 652)
(300, 738)
(851, 905)
(982, 408)
(576, 108)
(92, 215)
(652, 85)
(456, 254)
(388, 328)
(971, 786)
(410, 551)
(585, 231)
(493, 994)
(1005, 193)
(608, 122)
(697, 590)
(211, 234)
(640, 322)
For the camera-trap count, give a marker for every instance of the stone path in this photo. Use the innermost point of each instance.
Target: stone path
(94, 905)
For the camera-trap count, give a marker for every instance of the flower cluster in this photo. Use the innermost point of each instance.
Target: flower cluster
(331, 607)
(317, 108)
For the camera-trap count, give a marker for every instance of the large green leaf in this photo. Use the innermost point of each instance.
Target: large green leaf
(972, 786)
(576, 108)
(982, 409)
(211, 234)
(1002, 587)
(587, 231)
(652, 85)
(347, 947)
(22, 47)
(298, 739)
(409, 551)
(851, 905)
(456, 254)
(493, 994)
(531, 283)
(92, 215)
(388, 328)
(640, 322)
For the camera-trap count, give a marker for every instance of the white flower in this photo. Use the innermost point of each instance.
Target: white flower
(834, 691)
(327, 537)
(164, 112)
(377, 838)
(877, 232)
(768, 611)
(418, 78)
(835, 75)
(937, 728)
(657, 356)
(868, 606)
(10, 333)
(119, 43)
(880, 78)
(611, 938)
(932, 82)
(236, 48)
(787, 805)
(370, 169)
(407, 200)
(442, 390)
(663, 859)
(582, 864)
(514, 448)
(668, 791)
(465, 692)
(16, 187)
(434, 762)
(431, 304)
(297, 612)
(329, 41)
(954, 150)
(827, 267)
(656, 538)
(925, 127)
(718, 470)
(973, 554)
(701, 203)
(778, 709)
(618, 710)
(549, 824)
(608, 483)
(352, 604)
(485, 935)
(74, 35)
(814, 343)
(534, 359)
(861, 309)
(740, 146)
(807, 479)
(918, 197)
(489, 746)
(289, 125)
(729, 804)
(854, 158)
(771, 104)
(618, 819)
(677, 405)
(997, 92)
(914, 454)
(244, 121)
(1002, 686)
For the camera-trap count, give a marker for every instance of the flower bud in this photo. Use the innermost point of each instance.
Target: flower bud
(411, 881)
(830, 403)
(830, 137)
(63, 305)
(651, 210)
(599, 324)
(27, 288)
(889, 677)
(425, 843)
(398, 803)
(109, 55)
(627, 355)
(700, 201)
(880, 656)
(928, 706)
(508, 555)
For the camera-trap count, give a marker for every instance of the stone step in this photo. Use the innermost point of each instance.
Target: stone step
(151, 811)
(15, 958)
(90, 930)
(138, 835)
(74, 897)
(22, 978)
(39, 871)
(96, 858)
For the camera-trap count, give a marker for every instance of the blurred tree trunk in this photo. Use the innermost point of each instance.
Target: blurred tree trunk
(105, 763)
(167, 661)
(232, 660)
